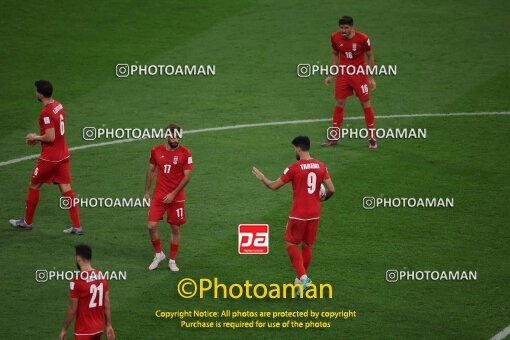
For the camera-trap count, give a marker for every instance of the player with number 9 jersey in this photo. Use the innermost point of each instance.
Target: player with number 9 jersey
(307, 176)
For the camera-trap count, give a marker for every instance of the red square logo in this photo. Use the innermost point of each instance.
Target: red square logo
(253, 239)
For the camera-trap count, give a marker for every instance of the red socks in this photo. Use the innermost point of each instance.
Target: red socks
(32, 200)
(297, 260)
(174, 248)
(338, 116)
(157, 245)
(306, 251)
(73, 210)
(370, 120)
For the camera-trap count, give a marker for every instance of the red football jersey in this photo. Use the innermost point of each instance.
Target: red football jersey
(53, 116)
(307, 177)
(171, 165)
(351, 51)
(89, 288)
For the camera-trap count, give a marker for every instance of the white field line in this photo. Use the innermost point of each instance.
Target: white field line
(242, 126)
(503, 334)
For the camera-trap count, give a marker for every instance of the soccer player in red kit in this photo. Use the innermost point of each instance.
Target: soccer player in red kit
(53, 164)
(306, 175)
(90, 301)
(349, 48)
(173, 164)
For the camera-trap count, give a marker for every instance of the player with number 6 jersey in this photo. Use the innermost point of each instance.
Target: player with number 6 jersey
(307, 176)
(173, 164)
(53, 165)
(89, 301)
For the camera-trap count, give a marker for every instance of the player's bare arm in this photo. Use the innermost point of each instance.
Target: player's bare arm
(71, 313)
(371, 63)
(48, 137)
(170, 197)
(110, 334)
(330, 188)
(151, 173)
(273, 185)
(334, 61)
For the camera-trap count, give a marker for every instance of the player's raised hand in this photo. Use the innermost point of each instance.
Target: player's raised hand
(328, 80)
(371, 82)
(110, 334)
(257, 173)
(62, 335)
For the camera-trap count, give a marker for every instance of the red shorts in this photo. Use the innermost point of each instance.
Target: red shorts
(96, 336)
(346, 85)
(298, 231)
(175, 213)
(48, 172)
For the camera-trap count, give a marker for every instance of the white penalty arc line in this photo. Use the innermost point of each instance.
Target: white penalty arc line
(242, 126)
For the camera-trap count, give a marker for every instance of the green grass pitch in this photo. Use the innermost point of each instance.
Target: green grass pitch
(451, 56)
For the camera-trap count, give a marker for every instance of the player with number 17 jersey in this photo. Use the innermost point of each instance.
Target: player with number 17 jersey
(172, 164)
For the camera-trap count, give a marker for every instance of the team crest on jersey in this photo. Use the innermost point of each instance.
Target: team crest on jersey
(354, 46)
(176, 159)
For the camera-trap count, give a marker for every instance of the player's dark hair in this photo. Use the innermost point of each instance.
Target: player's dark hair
(302, 142)
(84, 251)
(44, 87)
(172, 127)
(346, 20)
